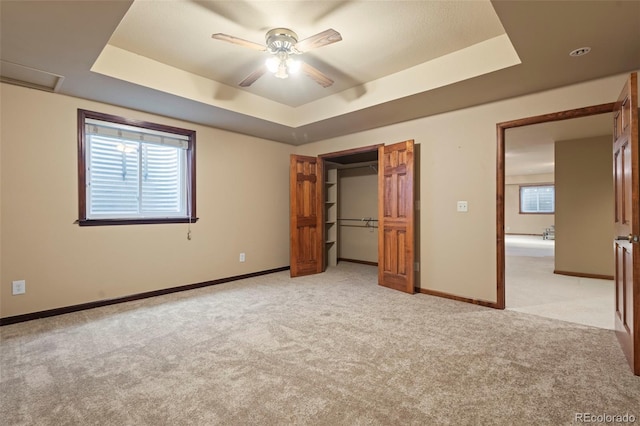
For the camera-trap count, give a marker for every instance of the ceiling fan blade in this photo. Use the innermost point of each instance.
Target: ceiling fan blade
(239, 41)
(322, 39)
(251, 78)
(316, 75)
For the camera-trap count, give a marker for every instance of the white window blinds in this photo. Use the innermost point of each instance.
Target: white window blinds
(537, 199)
(134, 172)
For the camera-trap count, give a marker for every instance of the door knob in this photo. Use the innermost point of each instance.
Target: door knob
(629, 238)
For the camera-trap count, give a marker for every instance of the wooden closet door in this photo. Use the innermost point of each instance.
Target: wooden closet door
(306, 215)
(395, 216)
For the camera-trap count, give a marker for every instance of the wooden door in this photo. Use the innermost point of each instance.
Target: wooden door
(627, 222)
(395, 216)
(306, 215)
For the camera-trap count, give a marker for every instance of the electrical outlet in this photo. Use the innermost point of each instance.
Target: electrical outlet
(242, 257)
(463, 206)
(19, 287)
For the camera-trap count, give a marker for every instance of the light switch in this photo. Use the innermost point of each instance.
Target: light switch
(463, 206)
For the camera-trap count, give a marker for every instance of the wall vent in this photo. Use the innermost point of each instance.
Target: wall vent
(21, 75)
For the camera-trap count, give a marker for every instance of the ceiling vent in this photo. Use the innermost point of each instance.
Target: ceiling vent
(21, 75)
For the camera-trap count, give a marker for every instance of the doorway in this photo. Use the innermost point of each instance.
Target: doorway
(309, 208)
(558, 176)
(500, 177)
(351, 206)
(626, 224)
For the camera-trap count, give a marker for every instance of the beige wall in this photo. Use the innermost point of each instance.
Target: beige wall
(514, 221)
(584, 206)
(529, 179)
(358, 192)
(242, 203)
(458, 162)
(239, 176)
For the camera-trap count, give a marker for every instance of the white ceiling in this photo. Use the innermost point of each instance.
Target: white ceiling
(408, 33)
(398, 60)
(529, 150)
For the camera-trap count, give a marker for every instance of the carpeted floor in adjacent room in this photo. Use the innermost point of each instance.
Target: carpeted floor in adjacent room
(328, 349)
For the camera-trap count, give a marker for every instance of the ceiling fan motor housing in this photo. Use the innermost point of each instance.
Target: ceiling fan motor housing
(281, 40)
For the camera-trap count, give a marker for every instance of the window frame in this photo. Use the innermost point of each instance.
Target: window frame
(82, 170)
(536, 185)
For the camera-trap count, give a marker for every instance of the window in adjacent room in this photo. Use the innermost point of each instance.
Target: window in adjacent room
(537, 199)
(134, 172)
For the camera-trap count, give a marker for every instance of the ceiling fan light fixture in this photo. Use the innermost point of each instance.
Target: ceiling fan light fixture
(282, 71)
(281, 40)
(281, 65)
(272, 64)
(282, 44)
(293, 66)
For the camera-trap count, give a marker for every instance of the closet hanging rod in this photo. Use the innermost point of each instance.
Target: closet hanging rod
(360, 226)
(369, 166)
(363, 219)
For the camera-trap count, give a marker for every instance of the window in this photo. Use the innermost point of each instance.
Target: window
(537, 199)
(134, 172)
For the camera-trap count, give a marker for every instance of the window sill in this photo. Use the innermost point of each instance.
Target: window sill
(550, 213)
(147, 221)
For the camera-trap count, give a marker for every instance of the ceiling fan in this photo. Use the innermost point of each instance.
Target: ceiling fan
(282, 44)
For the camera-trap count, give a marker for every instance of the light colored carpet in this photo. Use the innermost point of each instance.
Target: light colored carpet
(329, 349)
(532, 287)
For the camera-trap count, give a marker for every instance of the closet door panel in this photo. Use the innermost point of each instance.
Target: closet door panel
(396, 217)
(306, 215)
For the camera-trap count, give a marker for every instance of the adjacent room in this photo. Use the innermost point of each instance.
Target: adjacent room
(294, 212)
(544, 216)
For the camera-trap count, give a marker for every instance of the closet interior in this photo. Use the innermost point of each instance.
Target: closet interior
(351, 208)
